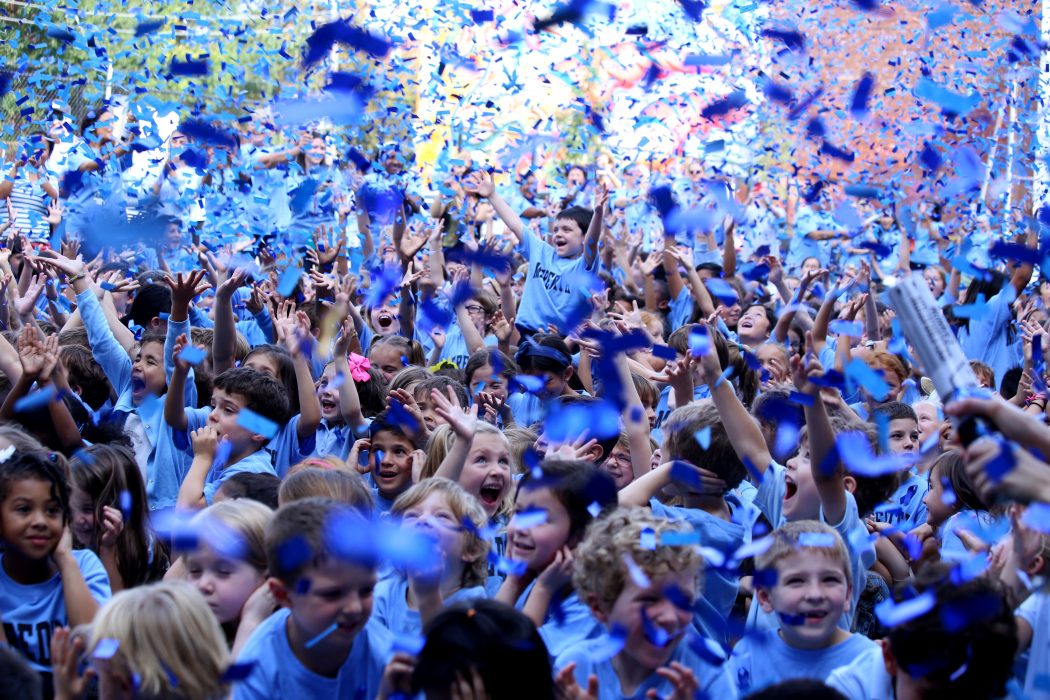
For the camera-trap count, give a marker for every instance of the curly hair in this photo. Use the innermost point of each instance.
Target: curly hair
(601, 572)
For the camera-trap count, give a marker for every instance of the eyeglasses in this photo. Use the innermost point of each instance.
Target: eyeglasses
(474, 309)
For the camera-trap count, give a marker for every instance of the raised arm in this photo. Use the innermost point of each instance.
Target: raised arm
(480, 183)
(594, 230)
(463, 424)
(821, 436)
(224, 333)
(174, 403)
(292, 328)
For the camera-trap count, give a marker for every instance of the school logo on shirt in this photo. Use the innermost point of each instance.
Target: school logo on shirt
(32, 639)
(550, 278)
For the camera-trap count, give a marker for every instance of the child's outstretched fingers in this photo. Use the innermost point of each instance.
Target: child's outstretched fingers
(565, 680)
(112, 526)
(362, 445)
(681, 678)
(397, 676)
(69, 682)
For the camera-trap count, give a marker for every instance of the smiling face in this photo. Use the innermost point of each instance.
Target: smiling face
(486, 473)
(635, 604)
(391, 462)
(147, 372)
(774, 360)
(31, 519)
(618, 466)
(753, 326)
(83, 511)
(339, 593)
(934, 281)
(384, 319)
(328, 394)
(537, 545)
(225, 583)
(315, 151)
(567, 238)
(811, 594)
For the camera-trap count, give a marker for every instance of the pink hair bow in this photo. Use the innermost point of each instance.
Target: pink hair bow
(359, 366)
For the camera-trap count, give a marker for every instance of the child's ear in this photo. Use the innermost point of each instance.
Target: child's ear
(260, 439)
(568, 373)
(850, 483)
(762, 596)
(888, 659)
(155, 324)
(596, 454)
(1036, 565)
(599, 614)
(279, 592)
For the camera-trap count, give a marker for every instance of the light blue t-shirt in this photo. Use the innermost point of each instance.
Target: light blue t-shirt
(770, 501)
(680, 309)
(567, 624)
(663, 409)
(863, 677)
(714, 681)
(554, 285)
(720, 586)
(391, 605)
(32, 612)
(905, 509)
(808, 220)
(987, 338)
(260, 462)
(764, 659)
(279, 675)
(1036, 612)
(987, 527)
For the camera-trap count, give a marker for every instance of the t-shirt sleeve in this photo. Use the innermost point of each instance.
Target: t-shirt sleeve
(770, 494)
(861, 552)
(95, 576)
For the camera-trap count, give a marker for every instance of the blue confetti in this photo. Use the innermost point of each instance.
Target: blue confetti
(892, 614)
(193, 355)
(816, 539)
(310, 644)
(861, 93)
(257, 424)
(529, 518)
(188, 68)
(703, 437)
(342, 32)
(36, 399)
(289, 278)
(106, 648)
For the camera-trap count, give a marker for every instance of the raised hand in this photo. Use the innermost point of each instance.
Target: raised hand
(479, 183)
(205, 442)
(30, 353)
(25, 304)
(565, 680)
(54, 214)
(71, 678)
(329, 246)
(231, 284)
(110, 528)
(183, 290)
(463, 423)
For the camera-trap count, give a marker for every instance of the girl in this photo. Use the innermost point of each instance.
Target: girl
(953, 505)
(337, 483)
(44, 582)
(392, 353)
(488, 376)
(168, 646)
(228, 566)
(107, 488)
(440, 509)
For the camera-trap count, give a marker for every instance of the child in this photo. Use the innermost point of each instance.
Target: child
(556, 272)
(720, 519)
(392, 453)
(44, 582)
(954, 505)
(552, 508)
(392, 353)
(228, 565)
(643, 596)
(906, 508)
(939, 653)
(489, 641)
(321, 643)
(438, 508)
(804, 578)
(340, 485)
(547, 358)
(168, 645)
(106, 488)
(806, 488)
(236, 390)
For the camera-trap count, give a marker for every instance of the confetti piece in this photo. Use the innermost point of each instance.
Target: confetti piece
(843, 327)
(861, 94)
(106, 648)
(410, 644)
(310, 644)
(237, 671)
(647, 539)
(892, 614)
(144, 28)
(703, 437)
(529, 518)
(816, 539)
(657, 636)
(36, 399)
(188, 68)
(342, 32)
(9, 451)
(727, 104)
(951, 103)
(1037, 517)
(610, 644)
(289, 278)
(257, 424)
(635, 572)
(855, 452)
(193, 355)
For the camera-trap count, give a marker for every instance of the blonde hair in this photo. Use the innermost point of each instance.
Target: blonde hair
(601, 573)
(466, 508)
(788, 539)
(520, 440)
(236, 529)
(438, 445)
(340, 485)
(507, 504)
(169, 640)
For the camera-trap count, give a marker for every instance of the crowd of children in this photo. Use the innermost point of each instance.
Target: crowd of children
(549, 458)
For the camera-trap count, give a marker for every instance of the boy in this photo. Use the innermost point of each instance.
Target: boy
(905, 509)
(555, 282)
(643, 594)
(139, 374)
(961, 647)
(392, 451)
(321, 643)
(805, 488)
(720, 519)
(805, 579)
(246, 407)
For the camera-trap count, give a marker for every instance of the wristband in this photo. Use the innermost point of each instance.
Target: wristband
(76, 277)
